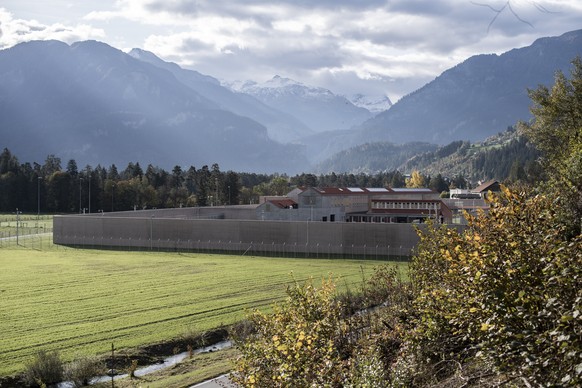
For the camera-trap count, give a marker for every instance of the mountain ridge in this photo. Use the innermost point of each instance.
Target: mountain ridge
(319, 108)
(495, 83)
(471, 101)
(94, 103)
(280, 126)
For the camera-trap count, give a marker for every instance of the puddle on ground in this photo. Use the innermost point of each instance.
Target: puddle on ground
(168, 362)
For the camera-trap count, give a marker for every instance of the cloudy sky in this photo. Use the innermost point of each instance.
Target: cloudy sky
(373, 47)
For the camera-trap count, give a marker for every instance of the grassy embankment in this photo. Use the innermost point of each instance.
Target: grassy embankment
(82, 301)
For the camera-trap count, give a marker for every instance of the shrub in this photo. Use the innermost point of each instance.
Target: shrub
(433, 338)
(82, 369)
(299, 345)
(45, 369)
(509, 289)
(315, 339)
(133, 367)
(367, 368)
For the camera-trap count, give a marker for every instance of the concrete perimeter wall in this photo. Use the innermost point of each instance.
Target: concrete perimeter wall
(281, 238)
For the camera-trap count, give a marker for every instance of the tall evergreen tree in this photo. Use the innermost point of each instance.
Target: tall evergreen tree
(8, 162)
(51, 165)
(203, 184)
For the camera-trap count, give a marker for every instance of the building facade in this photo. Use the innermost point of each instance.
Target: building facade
(356, 204)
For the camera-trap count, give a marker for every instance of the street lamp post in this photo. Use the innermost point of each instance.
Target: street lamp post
(38, 198)
(151, 233)
(80, 192)
(89, 208)
(112, 190)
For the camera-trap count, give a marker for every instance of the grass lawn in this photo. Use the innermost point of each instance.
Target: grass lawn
(81, 301)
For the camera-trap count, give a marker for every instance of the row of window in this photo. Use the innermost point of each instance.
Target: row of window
(406, 205)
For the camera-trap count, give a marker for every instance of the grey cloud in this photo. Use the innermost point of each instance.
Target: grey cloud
(291, 60)
(193, 44)
(248, 9)
(446, 31)
(182, 7)
(231, 8)
(422, 7)
(308, 59)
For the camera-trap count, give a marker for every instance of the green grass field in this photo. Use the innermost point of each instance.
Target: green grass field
(82, 301)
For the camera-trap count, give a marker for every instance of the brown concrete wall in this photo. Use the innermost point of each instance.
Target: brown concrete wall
(278, 237)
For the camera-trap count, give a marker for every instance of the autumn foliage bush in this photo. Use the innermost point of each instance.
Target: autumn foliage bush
(296, 345)
(315, 339)
(507, 291)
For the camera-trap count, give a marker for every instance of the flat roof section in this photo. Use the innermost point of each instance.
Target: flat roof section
(411, 190)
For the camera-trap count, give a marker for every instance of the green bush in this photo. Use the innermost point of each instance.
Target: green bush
(45, 369)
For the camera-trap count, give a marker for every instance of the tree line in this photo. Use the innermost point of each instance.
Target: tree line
(52, 188)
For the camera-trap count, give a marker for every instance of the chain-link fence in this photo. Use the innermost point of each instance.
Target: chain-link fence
(32, 231)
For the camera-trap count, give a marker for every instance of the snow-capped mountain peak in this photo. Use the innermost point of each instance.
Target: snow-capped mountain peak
(280, 87)
(281, 82)
(374, 104)
(319, 108)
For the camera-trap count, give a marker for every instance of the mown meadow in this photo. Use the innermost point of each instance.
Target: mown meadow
(81, 301)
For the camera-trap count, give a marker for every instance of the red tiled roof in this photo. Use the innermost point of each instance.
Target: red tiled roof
(283, 203)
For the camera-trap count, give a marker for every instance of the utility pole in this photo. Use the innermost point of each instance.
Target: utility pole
(89, 177)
